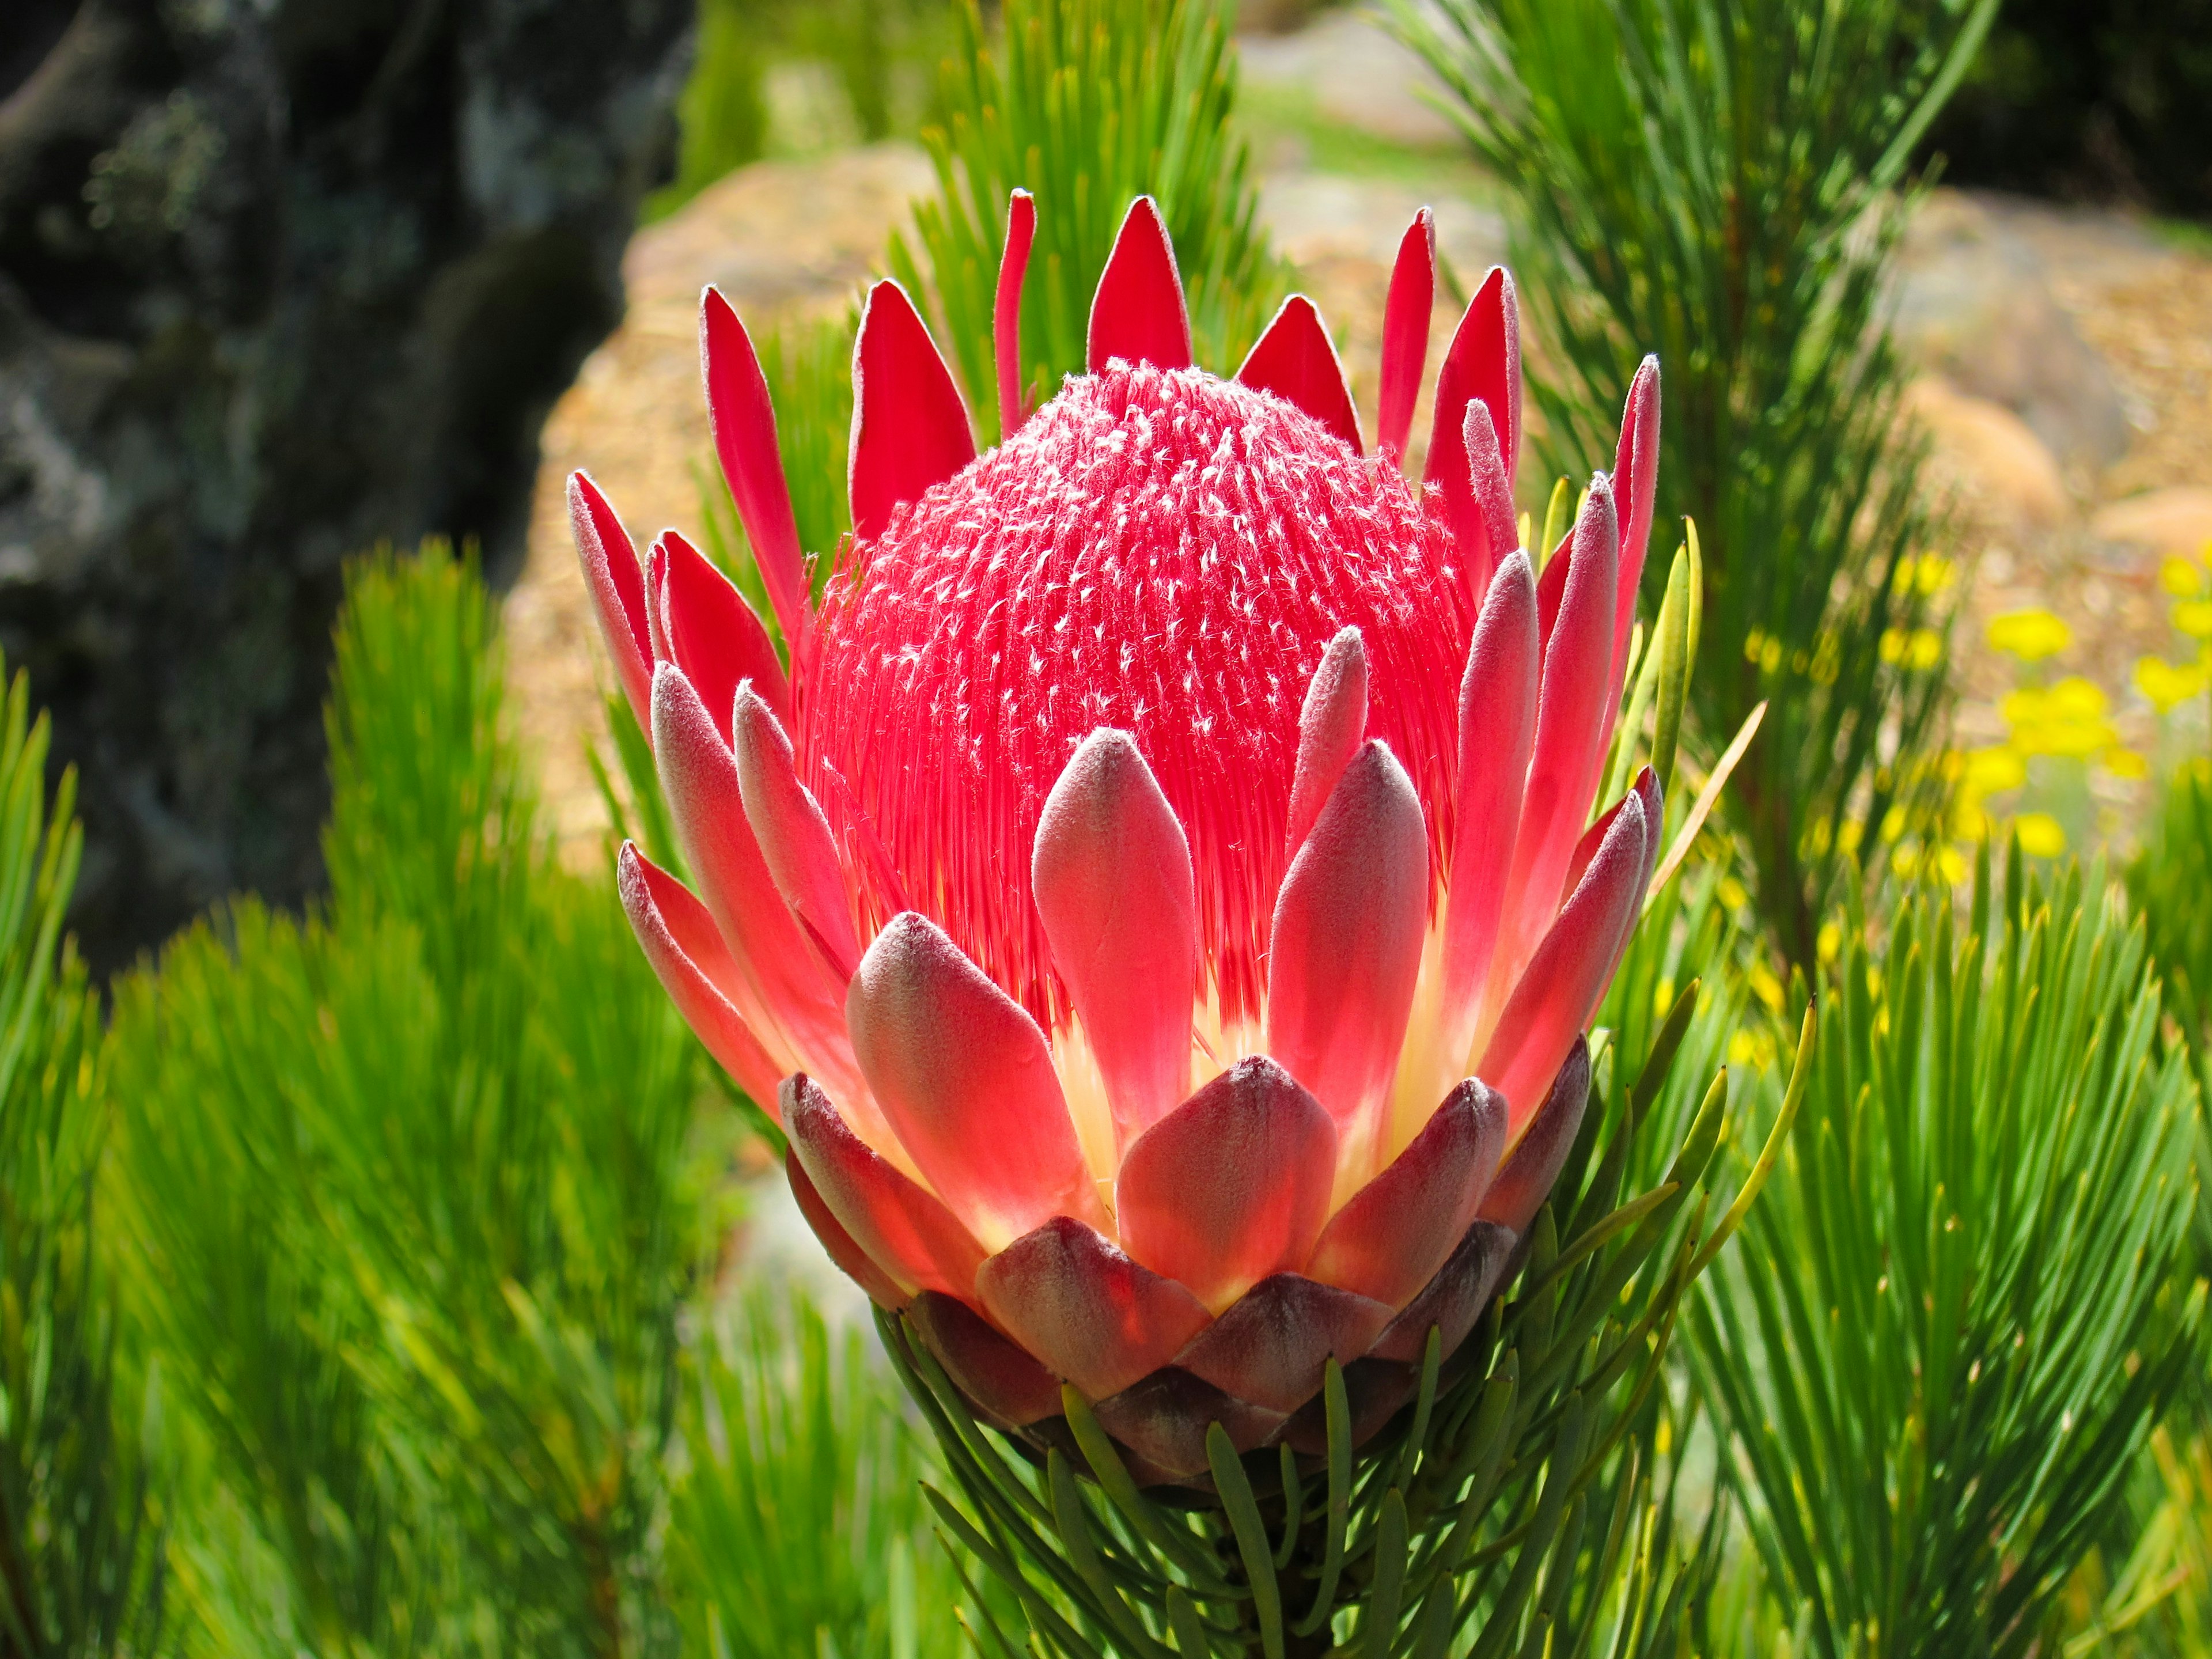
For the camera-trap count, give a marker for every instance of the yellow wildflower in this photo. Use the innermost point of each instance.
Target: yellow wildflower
(2031, 635)
(2166, 685)
(2181, 578)
(2040, 835)
(2066, 719)
(1935, 573)
(2126, 763)
(1997, 767)
(2194, 619)
(1764, 986)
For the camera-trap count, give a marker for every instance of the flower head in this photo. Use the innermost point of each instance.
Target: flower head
(1160, 899)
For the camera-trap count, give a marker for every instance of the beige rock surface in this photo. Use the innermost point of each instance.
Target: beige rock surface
(2177, 520)
(1993, 456)
(780, 238)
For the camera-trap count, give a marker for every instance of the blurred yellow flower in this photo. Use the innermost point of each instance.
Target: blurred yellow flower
(2181, 578)
(1997, 767)
(1764, 986)
(1923, 648)
(1969, 823)
(1935, 573)
(1730, 893)
(2194, 619)
(1830, 945)
(2067, 718)
(2166, 685)
(1930, 861)
(1755, 1050)
(2031, 635)
(2040, 835)
(2126, 763)
(2076, 699)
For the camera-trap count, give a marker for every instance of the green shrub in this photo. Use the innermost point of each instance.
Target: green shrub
(800, 1528)
(1087, 104)
(78, 1556)
(721, 114)
(1954, 1318)
(2169, 880)
(877, 50)
(416, 1194)
(1715, 180)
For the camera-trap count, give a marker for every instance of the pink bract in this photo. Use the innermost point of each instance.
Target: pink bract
(1160, 899)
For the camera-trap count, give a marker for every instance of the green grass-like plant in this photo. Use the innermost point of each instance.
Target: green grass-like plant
(2168, 880)
(800, 1527)
(79, 1556)
(1087, 104)
(722, 113)
(1954, 1318)
(1717, 181)
(415, 1188)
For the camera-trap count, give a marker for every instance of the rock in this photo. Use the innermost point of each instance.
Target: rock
(1973, 304)
(278, 281)
(783, 240)
(2006, 469)
(1316, 217)
(1356, 74)
(2177, 520)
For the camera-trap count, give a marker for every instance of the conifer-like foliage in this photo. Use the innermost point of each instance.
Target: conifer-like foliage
(801, 1526)
(1086, 104)
(78, 1575)
(1717, 181)
(1957, 1313)
(414, 1194)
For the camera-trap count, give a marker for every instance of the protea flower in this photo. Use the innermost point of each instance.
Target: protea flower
(1160, 903)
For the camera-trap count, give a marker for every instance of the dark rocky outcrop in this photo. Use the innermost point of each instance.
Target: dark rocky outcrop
(279, 279)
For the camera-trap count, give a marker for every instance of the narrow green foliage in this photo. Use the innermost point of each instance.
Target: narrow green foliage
(869, 45)
(875, 50)
(800, 1528)
(413, 1185)
(78, 1575)
(2168, 880)
(1087, 104)
(722, 115)
(1715, 180)
(1955, 1318)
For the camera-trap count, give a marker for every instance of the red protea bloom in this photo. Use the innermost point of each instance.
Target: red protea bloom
(1161, 900)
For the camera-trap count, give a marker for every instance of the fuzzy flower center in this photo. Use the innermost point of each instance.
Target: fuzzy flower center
(1166, 552)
